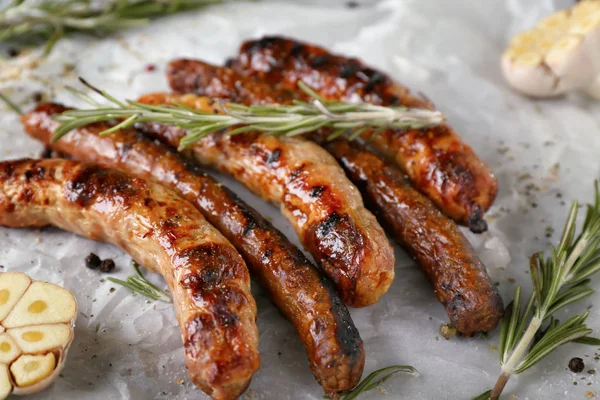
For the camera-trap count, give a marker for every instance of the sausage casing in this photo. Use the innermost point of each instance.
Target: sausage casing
(208, 278)
(459, 278)
(303, 295)
(313, 192)
(436, 160)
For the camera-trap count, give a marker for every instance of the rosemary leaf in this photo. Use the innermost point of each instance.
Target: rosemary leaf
(483, 396)
(141, 285)
(592, 341)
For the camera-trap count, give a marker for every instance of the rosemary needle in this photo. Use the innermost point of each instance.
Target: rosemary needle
(139, 284)
(287, 120)
(529, 330)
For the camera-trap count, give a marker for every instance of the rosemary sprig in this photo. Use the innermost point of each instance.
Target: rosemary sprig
(375, 379)
(291, 120)
(530, 332)
(50, 20)
(139, 284)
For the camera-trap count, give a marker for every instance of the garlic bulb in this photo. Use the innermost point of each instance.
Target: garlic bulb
(561, 54)
(36, 330)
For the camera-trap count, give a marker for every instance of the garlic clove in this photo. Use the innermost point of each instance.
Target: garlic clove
(9, 350)
(29, 369)
(42, 303)
(5, 383)
(12, 287)
(41, 338)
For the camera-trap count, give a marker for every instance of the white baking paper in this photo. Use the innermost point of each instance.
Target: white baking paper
(544, 153)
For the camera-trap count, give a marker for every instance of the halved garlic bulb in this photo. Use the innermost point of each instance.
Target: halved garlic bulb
(561, 54)
(36, 330)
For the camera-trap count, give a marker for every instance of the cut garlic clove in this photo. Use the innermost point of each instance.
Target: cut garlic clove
(5, 384)
(41, 338)
(9, 350)
(12, 287)
(29, 370)
(42, 303)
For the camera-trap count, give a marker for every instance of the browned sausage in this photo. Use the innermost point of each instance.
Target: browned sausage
(436, 160)
(166, 234)
(303, 295)
(459, 278)
(324, 207)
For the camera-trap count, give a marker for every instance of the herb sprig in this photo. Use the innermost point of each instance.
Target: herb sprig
(291, 120)
(139, 284)
(50, 20)
(376, 378)
(529, 330)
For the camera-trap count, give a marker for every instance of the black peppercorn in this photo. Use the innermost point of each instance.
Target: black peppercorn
(576, 365)
(13, 52)
(107, 265)
(92, 261)
(38, 97)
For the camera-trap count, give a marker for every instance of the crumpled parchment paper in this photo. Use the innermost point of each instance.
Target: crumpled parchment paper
(545, 154)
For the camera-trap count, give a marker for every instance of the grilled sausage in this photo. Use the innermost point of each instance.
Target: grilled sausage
(459, 278)
(436, 160)
(303, 295)
(324, 207)
(166, 234)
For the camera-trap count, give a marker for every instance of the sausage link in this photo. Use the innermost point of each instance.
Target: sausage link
(166, 234)
(436, 160)
(459, 278)
(303, 295)
(313, 192)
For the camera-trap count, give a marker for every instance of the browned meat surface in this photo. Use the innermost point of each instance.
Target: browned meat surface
(166, 234)
(459, 278)
(303, 295)
(436, 160)
(313, 192)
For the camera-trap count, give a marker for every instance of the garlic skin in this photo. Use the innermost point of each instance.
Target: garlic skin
(36, 330)
(561, 54)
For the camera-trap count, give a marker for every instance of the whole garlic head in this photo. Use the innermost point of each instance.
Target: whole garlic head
(561, 54)
(36, 330)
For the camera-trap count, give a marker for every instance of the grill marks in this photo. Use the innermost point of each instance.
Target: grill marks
(294, 61)
(93, 183)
